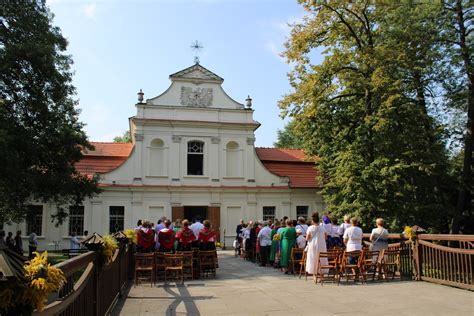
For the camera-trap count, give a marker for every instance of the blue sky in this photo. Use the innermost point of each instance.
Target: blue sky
(119, 47)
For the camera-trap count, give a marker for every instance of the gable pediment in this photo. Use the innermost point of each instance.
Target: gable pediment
(196, 73)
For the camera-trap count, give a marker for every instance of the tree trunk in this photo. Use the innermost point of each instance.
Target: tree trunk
(466, 178)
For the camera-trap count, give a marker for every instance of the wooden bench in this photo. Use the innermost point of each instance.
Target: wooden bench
(73, 252)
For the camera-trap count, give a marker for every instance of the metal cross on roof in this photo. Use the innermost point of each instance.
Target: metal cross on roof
(196, 47)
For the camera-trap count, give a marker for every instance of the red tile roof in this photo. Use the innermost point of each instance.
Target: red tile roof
(290, 163)
(104, 158)
(280, 154)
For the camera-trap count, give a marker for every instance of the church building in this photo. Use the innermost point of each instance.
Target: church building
(192, 154)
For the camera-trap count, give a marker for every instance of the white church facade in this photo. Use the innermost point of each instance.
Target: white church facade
(192, 154)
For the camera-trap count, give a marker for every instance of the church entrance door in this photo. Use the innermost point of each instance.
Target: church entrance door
(193, 212)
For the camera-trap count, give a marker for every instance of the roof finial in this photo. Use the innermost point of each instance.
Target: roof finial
(196, 47)
(248, 103)
(140, 96)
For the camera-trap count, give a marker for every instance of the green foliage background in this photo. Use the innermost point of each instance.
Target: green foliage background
(372, 110)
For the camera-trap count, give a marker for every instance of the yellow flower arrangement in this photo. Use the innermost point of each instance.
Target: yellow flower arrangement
(109, 247)
(219, 245)
(42, 279)
(409, 233)
(276, 237)
(131, 236)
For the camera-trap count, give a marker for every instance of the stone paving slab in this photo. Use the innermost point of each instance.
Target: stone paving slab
(243, 288)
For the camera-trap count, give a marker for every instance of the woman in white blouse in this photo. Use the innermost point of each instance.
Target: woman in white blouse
(353, 238)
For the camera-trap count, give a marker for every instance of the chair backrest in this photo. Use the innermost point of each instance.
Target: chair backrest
(173, 260)
(207, 256)
(187, 257)
(333, 257)
(351, 254)
(159, 258)
(391, 256)
(144, 260)
(369, 257)
(297, 253)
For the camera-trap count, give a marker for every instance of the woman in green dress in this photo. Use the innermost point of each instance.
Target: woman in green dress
(288, 238)
(177, 227)
(275, 243)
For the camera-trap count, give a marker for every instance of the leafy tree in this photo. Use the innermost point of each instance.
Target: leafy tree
(288, 137)
(459, 25)
(125, 138)
(364, 109)
(40, 136)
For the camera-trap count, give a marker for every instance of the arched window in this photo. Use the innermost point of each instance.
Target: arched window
(233, 160)
(157, 157)
(195, 158)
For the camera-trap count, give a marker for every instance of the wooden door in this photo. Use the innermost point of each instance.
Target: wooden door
(214, 215)
(177, 212)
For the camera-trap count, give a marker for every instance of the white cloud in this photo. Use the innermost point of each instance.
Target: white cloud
(89, 10)
(273, 48)
(277, 33)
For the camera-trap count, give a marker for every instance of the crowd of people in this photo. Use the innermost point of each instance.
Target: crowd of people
(273, 240)
(16, 243)
(177, 236)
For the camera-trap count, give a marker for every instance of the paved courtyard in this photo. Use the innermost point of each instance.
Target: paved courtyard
(243, 288)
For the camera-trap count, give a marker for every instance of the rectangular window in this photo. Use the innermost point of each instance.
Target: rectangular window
(269, 213)
(116, 218)
(195, 158)
(34, 219)
(302, 211)
(76, 220)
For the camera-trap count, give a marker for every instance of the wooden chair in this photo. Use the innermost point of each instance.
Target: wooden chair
(390, 264)
(196, 266)
(347, 267)
(369, 263)
(188, 263)
(296, 259)
(207, 263)
(174, 263)
(159, 265)
(329, 266)
(303, 265)
(144, 264)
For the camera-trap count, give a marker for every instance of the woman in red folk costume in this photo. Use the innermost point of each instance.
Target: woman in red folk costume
(185, 237)
(207, 237)
(145, 237)
(166, 238)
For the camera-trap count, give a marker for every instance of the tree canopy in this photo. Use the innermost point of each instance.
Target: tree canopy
(288, 137)
(41, 137)
(125, 138)
(370, 109)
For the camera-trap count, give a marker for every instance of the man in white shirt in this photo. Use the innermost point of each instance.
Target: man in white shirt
(196, 228)
(75, 244)
(302, 225)
(265, 241)
(353, 238)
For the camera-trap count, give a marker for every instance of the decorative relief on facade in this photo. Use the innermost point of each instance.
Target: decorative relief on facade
(200, 97)
(250, 140)
(176, 139)
(215, 140)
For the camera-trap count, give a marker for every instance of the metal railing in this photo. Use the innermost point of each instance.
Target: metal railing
(91, 287)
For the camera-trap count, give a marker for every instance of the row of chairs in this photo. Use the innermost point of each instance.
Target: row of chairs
(180, 265)
(353, 265)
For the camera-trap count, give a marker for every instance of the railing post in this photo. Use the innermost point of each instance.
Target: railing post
(96, 286)
(417, 259)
